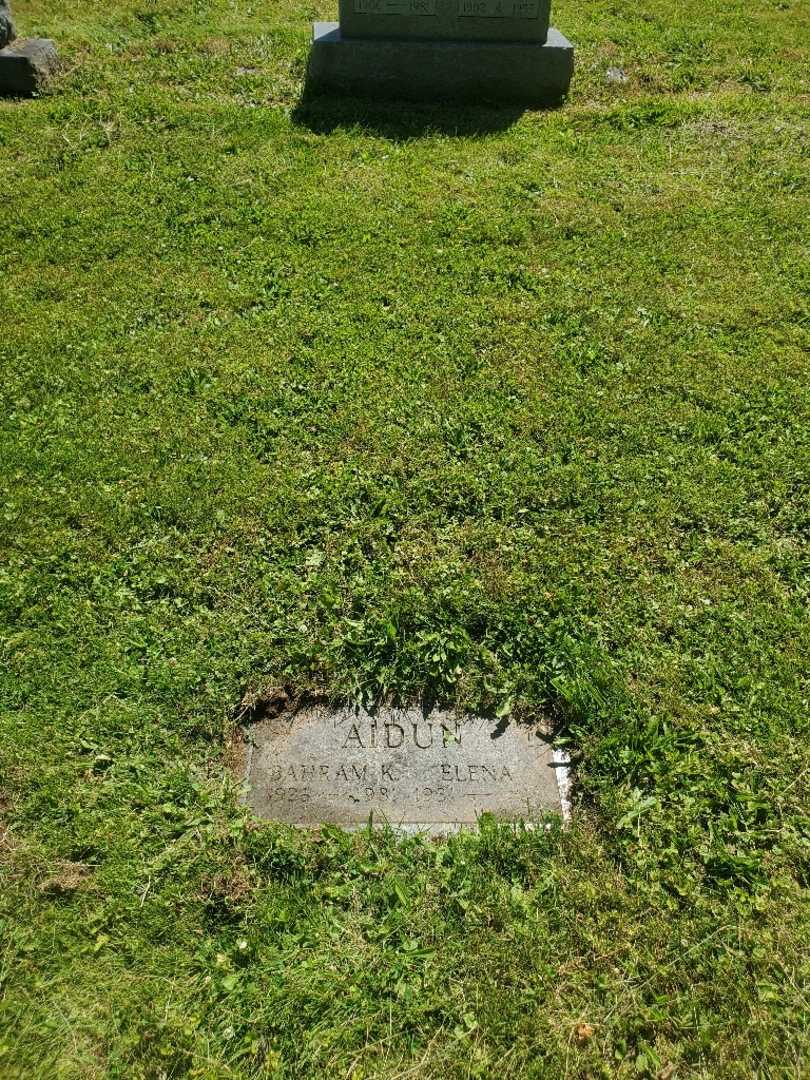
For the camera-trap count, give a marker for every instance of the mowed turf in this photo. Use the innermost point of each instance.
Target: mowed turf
(365, 402)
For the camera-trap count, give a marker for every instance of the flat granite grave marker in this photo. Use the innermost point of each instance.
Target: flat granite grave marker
(423, 772)
(499, 51)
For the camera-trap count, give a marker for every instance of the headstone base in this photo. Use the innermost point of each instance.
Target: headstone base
(524, 73)
(25, 65)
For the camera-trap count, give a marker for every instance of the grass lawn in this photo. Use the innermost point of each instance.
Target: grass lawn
(371, 402)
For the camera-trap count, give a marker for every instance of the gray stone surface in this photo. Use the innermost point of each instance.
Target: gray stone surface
(7, 32)
(422, 772)
(446, 20)
(26, 65)
(480, 72)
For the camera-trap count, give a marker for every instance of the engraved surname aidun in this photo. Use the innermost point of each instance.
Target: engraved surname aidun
(392, 735)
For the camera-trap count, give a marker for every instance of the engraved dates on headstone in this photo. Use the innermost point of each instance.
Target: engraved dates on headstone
(395, 7)
(499, 9)
(425, 771)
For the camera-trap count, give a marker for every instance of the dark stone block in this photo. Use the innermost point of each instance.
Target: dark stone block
(527, 73)
(7, 32)
(26, 65)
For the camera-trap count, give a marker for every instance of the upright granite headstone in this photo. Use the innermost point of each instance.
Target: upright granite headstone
(498, 51)
(25, 63)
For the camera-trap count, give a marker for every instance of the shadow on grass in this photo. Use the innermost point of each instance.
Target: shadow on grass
(400, 121)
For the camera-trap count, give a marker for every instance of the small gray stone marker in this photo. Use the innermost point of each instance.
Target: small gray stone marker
(421, 772)
(25, 64)
(616, 75)
(496, 51)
